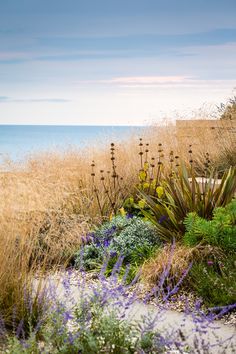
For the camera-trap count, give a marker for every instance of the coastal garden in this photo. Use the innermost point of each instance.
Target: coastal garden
(149, 220)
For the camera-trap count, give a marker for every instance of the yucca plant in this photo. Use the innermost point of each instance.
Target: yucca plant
(182, 192)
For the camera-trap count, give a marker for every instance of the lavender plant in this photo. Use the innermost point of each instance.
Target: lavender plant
(103, 318)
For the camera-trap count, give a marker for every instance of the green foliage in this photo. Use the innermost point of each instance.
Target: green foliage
(214, 281)
(220, 231)
(130, 236)
(184, 193)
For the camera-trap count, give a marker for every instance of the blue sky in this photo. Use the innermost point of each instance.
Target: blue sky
(113, 62)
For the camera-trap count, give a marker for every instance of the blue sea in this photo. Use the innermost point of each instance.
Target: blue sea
(19, 141)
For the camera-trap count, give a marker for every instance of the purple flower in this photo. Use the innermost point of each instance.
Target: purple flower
(113, 254)
(106, 243)
(67, 316)
(129, 216)
(210, 263)
(162, 218)
(110, 231)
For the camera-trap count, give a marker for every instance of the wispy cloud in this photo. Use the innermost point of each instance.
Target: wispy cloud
(148, 80)
(5, 99)
(152, 82)
(141, 81)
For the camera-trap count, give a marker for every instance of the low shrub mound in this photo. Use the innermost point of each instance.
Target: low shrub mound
(127, 236)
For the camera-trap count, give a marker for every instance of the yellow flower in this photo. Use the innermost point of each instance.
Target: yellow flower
(142, 203)
(160, 191)
(122, 212)
(146, 166)
(142, 175)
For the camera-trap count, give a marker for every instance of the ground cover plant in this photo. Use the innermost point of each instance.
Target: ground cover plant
(214, 280)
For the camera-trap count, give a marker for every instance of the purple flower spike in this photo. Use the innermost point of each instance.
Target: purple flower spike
(106, 243)
(113, 254)
(210, 263)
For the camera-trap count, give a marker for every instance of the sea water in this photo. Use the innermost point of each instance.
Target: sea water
(18, 141)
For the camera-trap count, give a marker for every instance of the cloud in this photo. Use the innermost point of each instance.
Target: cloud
(148, 80)
(141, 81)
(33, 100)
(45, 100)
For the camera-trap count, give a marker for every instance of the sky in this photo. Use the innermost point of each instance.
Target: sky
(118, 62)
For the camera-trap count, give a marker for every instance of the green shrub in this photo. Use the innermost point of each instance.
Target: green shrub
(130, 236)
(181, 193)
(220, 231)
(214, 281)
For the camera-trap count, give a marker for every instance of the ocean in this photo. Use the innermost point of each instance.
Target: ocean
(20, 141)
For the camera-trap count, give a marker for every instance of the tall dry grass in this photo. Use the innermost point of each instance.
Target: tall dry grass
(47, 204)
